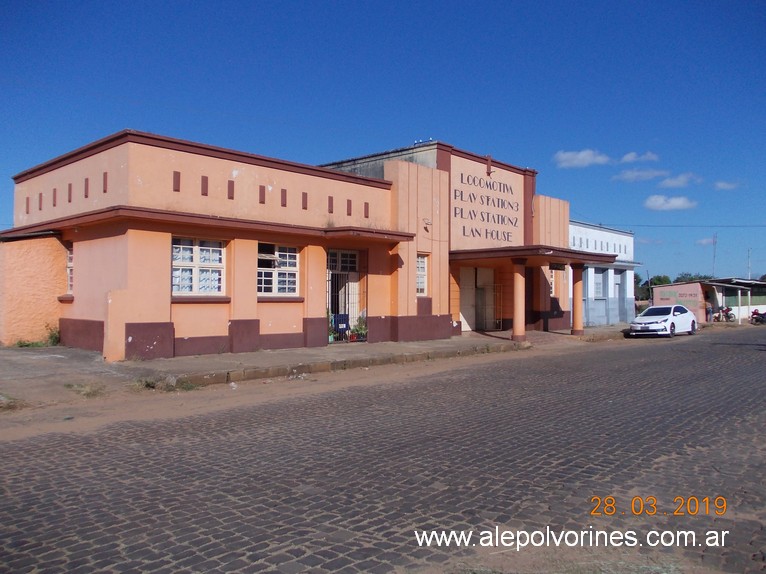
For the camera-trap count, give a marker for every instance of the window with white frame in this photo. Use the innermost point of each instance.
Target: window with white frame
(421, 276)
(198, 267)
(347, 261)
(277, 269)
(598, 283)
(70, 270)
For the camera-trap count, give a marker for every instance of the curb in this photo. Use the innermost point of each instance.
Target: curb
(256, 373)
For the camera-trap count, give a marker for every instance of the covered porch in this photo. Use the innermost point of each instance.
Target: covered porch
(529, 288)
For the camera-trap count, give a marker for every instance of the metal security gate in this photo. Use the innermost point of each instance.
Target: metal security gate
(346, 321)
(489, 305)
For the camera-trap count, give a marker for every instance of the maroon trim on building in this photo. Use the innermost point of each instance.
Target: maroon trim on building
(330, 204)
(230, 189)
(282, 341)
(68, 298)
(40, 201)
(82, 334)
(262, 194)
(176, 181)
(27, 202)
(145, 215)
(69, 193)
(244, 335)
(106, 181)
(408, 328)
(154, 140)
(186, 346)
(380, 329)
(54, 196)
(551, 320)
(86, 187)
(348, 207)
(276, 299)
(304, 200)
(444, 158)
(483, 159)
(199, 299)
(203, 185)
(366, 209)
(144, 341)
(538, 253)
(284, 197)
(425, 304)
(411, 328)
(530, 181)
(315, 332)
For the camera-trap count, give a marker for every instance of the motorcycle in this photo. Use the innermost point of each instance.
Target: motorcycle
(757, 318)
(724, 314)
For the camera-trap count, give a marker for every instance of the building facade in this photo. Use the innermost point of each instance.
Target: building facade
(742, 296)
(144, 246)
(608, 292)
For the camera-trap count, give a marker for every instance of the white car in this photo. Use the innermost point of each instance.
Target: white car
(664, 320)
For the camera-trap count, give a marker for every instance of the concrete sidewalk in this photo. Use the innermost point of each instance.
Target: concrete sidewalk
(228, 367)
(39, 376)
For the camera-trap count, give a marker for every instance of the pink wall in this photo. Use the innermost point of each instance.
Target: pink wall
(79, 188)
(422, 200)
(689, 295)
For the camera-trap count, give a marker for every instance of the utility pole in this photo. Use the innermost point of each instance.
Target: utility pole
(715, 247)
(749, 249)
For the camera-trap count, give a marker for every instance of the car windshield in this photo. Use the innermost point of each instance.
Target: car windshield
(656, 312)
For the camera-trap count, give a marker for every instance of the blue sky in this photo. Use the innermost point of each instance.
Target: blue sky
(644, 115)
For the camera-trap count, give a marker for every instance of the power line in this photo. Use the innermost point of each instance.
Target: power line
(684, 226)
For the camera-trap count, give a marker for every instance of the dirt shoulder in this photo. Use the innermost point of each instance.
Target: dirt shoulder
(110, 395)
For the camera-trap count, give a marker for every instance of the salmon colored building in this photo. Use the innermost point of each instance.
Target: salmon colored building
(144, 246)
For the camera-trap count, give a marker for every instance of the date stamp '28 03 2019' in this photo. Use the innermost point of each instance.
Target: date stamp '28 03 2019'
(649, 506)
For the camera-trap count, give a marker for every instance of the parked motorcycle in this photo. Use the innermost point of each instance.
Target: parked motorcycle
(724, 314)
(757, 318)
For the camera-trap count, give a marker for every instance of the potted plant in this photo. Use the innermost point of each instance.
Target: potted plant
(359, 331)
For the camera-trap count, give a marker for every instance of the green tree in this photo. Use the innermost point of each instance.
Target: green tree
(659, 280)
(640, 291)
(686, 277)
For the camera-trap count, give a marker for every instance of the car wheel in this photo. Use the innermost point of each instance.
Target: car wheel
(694, 328)
(672, 329)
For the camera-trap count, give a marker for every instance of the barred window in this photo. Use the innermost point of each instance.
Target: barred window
(277, 269)
(421, 276)
(70, 270)
(552, 281)
(198, 267)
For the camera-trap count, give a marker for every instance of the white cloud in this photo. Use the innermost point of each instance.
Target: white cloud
(634, 157)
(681, 180)
(726, 185)
(640, 174)
(665, 203)
(706, 241)
(582, 158)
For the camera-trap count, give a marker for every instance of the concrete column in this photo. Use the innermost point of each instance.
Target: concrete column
(519, 308)
(577, 311)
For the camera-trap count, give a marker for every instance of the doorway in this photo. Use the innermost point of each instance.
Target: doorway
(345, 297)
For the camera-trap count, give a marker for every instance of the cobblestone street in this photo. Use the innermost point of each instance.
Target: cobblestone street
(339, 481)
